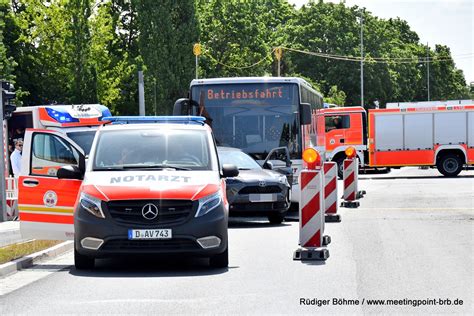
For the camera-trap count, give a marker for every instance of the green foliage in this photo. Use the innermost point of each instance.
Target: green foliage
(81, 51)
(7, 62)
(167, 32)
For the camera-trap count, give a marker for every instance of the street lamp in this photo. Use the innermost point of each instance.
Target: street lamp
(361, 21)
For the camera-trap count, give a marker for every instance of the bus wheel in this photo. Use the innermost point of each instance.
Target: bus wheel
(450, 165)
(340, 167)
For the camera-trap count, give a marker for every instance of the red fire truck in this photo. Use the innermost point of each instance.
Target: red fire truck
(437, 135)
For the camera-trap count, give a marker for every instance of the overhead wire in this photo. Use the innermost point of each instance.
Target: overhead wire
(368, 59)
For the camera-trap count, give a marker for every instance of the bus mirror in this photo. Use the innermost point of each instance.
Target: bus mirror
(181, 106)
(185, 106)
(305, 113)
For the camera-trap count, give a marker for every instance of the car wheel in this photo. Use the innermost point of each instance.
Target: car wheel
(82, 262)
(221, 260)
(276, 218)
(450, 165)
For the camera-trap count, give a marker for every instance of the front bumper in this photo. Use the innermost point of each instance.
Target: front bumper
(183, 242)
(248, 204)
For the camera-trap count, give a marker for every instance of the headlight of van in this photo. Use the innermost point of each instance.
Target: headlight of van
(92, 205)
(208, 203)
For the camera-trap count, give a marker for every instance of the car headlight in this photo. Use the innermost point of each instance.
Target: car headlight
(295, 179)
(208, 203)
(92, 205)
(283, 179)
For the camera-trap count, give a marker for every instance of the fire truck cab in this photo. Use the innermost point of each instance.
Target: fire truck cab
(345, 127)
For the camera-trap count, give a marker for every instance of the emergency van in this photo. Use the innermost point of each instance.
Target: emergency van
(438, 135)
(77, 123)
(155, 187)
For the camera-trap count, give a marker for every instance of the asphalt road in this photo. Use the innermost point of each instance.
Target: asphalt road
(411, 239)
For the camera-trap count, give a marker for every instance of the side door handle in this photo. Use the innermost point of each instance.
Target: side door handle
(30, 182)
(342, 140)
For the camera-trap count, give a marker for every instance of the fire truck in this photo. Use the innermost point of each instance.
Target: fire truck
(437, 135)
(78, 123)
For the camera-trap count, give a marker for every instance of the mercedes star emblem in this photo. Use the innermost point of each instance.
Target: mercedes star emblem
(150, 211)
(262, 183)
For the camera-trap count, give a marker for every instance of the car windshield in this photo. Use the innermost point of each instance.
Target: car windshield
(152, 149)
(238, 158)
(83, 139)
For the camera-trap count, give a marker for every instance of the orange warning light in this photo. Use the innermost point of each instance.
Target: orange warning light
(312, 158)
(350, 152)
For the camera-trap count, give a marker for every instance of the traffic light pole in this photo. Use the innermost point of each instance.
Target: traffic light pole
(3, 203)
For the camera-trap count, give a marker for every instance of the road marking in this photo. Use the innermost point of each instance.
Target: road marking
(419, 208)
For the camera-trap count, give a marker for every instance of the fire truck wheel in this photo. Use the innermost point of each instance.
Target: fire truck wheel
(82, 262)
(221, 260)
(450, 165)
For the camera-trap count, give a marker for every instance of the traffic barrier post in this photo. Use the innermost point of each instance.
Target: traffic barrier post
(330, 192)
(311, 211)
(350, 178)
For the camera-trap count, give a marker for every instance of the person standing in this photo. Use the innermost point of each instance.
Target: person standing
(15, 158)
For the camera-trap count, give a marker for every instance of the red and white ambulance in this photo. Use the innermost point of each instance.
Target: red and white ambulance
(436, 135)
(77, 123)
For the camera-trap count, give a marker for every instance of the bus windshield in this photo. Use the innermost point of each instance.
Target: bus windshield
(255, 117)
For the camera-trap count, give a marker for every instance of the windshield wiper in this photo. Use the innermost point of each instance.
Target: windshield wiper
(157, 167)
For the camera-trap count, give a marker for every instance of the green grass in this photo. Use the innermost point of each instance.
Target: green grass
(15, 251)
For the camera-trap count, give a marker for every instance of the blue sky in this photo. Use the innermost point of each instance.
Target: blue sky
(447, 22)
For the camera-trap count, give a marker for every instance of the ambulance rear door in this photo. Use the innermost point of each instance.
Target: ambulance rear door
(46, 203)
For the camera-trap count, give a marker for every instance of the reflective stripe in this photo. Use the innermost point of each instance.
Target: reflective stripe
(38, 209)
(46, 218)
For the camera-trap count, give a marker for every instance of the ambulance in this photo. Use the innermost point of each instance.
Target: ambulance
(437, 135)
(77, 123)
(151, 187)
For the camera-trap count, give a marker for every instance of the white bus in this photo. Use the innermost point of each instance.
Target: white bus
(257, 114)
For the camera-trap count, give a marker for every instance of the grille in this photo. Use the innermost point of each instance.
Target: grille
(260, 206)
(150, 245)
(259, 189)
(169, 211)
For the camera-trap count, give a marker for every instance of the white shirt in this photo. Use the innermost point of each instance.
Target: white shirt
(15, 160)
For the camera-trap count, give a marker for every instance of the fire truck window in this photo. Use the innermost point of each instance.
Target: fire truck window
(337, 122)
(50, 153)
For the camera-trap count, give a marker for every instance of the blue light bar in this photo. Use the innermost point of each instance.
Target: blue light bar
(60, 115)
(155, 119)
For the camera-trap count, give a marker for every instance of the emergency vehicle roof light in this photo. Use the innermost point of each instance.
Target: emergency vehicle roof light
(155, 119)
(61, 116)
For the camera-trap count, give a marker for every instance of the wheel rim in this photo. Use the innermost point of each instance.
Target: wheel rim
(450, 165)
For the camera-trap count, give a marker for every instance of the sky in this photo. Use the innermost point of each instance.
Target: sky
(447, 22)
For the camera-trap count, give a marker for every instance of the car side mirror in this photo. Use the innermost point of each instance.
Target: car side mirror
(229, 171)
(268, 165)
(305, 113)
(70, 172)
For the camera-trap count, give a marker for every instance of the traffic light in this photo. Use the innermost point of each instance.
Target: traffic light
(8, 95)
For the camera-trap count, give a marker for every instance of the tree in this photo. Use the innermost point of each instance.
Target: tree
(83, 88)
(7, 63)
(167, 31)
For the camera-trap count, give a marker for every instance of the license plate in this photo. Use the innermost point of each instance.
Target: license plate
(149, 234)
(262, 197)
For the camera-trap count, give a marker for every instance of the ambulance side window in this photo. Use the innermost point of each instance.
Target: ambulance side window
(49, 153)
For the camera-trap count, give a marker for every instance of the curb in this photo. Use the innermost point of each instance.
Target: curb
(30, 260)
